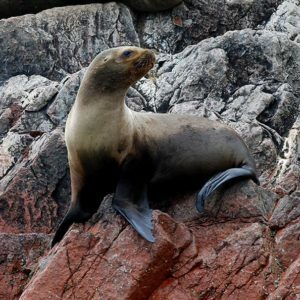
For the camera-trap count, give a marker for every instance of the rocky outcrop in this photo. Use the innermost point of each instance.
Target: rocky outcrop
(247, 240)
(59, 41)
(63, 40)
(20, 7)
(19, 254)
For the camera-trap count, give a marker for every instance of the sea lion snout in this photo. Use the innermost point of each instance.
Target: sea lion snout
(145, 61)
(142, 63)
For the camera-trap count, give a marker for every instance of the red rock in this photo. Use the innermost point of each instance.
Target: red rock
(287, 244)
(27, 193)
(289, 285)
(19, 254)
(110, 261)
(227, 269)
(226, 253)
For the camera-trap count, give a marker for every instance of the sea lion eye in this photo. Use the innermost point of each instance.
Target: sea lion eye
(105, 59)
(127, 53)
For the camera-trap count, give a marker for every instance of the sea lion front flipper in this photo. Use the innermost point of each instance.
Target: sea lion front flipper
(74, 215)
(139, 217)
(131, 201)
(219, 179)
(63, 227)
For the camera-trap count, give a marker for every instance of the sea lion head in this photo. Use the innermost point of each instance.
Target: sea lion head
(120, 67)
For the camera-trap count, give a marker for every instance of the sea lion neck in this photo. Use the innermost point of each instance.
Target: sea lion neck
(91, 92)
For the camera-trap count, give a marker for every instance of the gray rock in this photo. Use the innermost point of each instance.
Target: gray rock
(287, 19)
(241, 80)
(59, 41)
(195, 20)
(41, 96)
(11, 149)
(287, 172)
(33, 121)
(65, 98)
(286, 211)
(63, 40)
(152, 5)
(21, 93)
(21, 7)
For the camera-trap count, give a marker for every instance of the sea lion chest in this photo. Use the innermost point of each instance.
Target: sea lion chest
(96, 139)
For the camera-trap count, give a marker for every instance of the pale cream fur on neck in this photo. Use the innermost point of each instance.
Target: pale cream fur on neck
(99, 125)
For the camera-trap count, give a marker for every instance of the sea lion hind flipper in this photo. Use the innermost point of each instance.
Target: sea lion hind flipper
(219, 179)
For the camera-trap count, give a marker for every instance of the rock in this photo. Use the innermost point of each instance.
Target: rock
(12, 148)
(286, 19)
(287, 173)
(106, 258)
(256, 104)
(60, 107)
(152, 5)
(195, 20)
(27, 192)
(225, 270)
(289, 284)
(246, 241)
(91, 260)
(59, 41)
(19, 254)
(40, 97)
(21, 7)
(287, 245)
(22, 116)
(21, 93)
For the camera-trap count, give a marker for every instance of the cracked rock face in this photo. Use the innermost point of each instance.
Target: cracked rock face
(208, 64)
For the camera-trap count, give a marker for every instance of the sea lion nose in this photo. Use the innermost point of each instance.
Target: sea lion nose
(145, 60)
(150, 56)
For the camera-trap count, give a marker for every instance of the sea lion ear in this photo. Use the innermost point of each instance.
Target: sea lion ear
(107, 57)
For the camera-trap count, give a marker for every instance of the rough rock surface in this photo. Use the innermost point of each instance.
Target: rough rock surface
(10, 8)
(247, 241)
(19, 254)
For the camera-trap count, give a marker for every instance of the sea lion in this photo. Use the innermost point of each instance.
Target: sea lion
(9, 8)
(140, 156)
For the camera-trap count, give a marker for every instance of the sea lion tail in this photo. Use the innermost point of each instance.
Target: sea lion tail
(222, 177)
